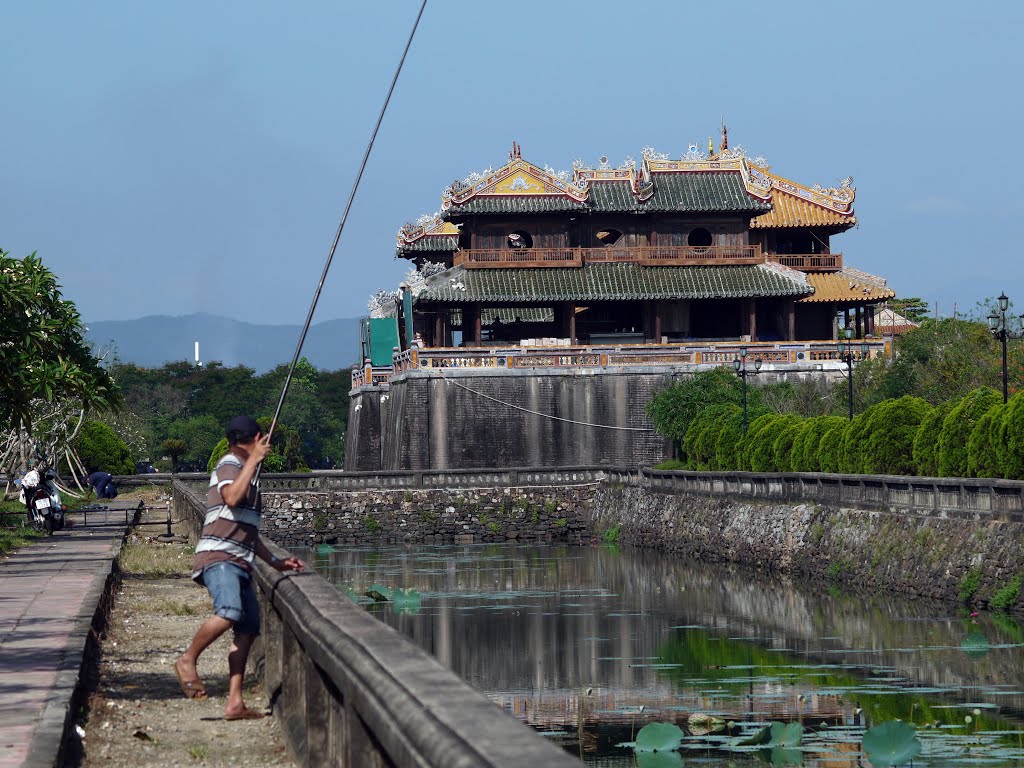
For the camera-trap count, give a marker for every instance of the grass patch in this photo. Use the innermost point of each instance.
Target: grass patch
(817, 533)
(494, 527)
(320, 522)
(155, 560)
(198, 752)
(671, 464)
(372, 524)
(178, 608)
(12, 538)
(550, 506)
(534, 516)
(428, 516)
(969, 585)
(561, 522)
(611, 536)
(1006, 597)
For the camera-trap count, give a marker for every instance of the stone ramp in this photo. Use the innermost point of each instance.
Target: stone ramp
(49, 595)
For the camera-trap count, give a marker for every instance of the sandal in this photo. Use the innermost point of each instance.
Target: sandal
(193, 689)
(246, 714)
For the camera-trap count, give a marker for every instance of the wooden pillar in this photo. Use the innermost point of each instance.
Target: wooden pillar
(790, 320)
(752, 315)
(657, 322)
(438, 338)
(572, 323)
(474, 326)
(846, 319)
(869, 317)
(858, 332)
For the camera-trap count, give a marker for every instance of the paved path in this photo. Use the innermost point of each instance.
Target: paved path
(49, 592)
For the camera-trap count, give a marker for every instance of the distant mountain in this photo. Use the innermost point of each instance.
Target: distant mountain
(157, 339)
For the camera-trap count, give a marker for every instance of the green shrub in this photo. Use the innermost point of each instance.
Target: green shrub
(611, 536)
(969, 585)
(729, 440)
(807, 449)
(762, 449)
(983, 445)
(782, 448)
(672, 410)
(100, 448)
(830, 447)
(1010, 431)
(926, 441)
(1006, 597)
(702, 435)
(891, 427)
(957, 426)
(749, 442)
(852, 456)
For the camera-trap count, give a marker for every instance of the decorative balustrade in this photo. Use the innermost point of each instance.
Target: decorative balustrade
(371, 375)
(662, 255)
(809, 262)
(781, 355)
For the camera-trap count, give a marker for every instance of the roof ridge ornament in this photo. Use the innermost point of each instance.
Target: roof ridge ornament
(515, 153)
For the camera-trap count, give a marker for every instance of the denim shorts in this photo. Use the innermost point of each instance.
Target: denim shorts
(233, 595)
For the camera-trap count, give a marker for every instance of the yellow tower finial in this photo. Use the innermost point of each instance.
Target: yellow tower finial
(711, 147)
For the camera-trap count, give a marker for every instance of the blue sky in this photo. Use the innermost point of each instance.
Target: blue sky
(168, 158)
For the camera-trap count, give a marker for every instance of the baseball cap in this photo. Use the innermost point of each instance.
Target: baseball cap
(241, 429)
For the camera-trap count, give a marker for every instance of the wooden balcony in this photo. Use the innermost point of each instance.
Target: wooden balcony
(809, 262)
(651, 256)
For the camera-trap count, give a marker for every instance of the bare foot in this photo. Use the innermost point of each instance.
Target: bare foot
(242, 713)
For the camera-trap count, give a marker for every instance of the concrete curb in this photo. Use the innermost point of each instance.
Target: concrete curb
(54, 735)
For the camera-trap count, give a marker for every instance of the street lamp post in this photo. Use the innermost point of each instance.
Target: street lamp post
(997, 324)
(740, 364)
(846, 356)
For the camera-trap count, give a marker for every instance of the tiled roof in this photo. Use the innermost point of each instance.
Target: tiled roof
(702, 193)
(430, 243)
(509, 315)
(847, 286)
(612, 196)
(791, 211)
(514, 204)
(612, 282)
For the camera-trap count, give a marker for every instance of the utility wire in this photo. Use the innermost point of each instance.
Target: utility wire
(546, 415)
(337, 236)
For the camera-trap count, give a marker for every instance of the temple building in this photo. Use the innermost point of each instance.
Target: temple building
(547, 308)
(707, 247)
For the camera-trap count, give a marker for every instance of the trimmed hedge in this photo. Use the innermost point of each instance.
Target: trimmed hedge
(957, 427)
(891, 428)
(729, 442)
(807, 449)
(926, 441)
(782, 448)
(1010, 438)
(830, 447)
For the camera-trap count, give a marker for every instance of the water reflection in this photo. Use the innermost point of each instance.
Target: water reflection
(588, 644)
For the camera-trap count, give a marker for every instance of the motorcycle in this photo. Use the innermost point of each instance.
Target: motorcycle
(42, 501)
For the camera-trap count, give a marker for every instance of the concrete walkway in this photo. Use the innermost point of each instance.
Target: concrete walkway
(49, 593)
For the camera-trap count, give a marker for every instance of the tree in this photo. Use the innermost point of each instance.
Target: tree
(174, 447)
(983, 449)
(100, 448)
(49, 376)
(914, 309)
(926, 442)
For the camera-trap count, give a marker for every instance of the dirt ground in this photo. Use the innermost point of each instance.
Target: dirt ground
(137, 715)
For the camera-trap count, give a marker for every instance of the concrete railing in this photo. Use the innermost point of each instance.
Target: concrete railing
(949, 496)
(981, 498)
(349, 690)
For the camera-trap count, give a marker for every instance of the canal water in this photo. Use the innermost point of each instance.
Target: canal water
(588, 644)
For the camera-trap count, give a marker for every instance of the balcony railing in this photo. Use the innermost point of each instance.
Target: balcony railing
(781, 355)
(676, 255)
(809, 262)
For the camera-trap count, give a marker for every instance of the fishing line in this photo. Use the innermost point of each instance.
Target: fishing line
(337, 236)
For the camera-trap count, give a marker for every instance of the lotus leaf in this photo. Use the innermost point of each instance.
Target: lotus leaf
(659, 760)
(656, 737)
(891, 743)
(975, 645)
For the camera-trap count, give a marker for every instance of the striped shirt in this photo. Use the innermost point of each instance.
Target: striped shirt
(229, 533)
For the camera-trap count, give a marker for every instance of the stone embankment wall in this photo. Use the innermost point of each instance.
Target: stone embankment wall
(971, 558)
(461, 515)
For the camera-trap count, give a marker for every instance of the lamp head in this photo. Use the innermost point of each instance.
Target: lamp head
(1004, 302)
(993, 321)
(848, 332)
(743, 351)
(736, 363)
(757, 365)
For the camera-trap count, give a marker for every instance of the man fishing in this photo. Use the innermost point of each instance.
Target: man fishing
(224, 559)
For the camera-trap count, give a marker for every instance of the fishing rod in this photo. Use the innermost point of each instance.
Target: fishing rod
(337, 236)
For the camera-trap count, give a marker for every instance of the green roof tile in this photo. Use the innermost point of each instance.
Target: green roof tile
(514, 204)
(612, 282)
(703, 193)
(441, 244)
(612, 196)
